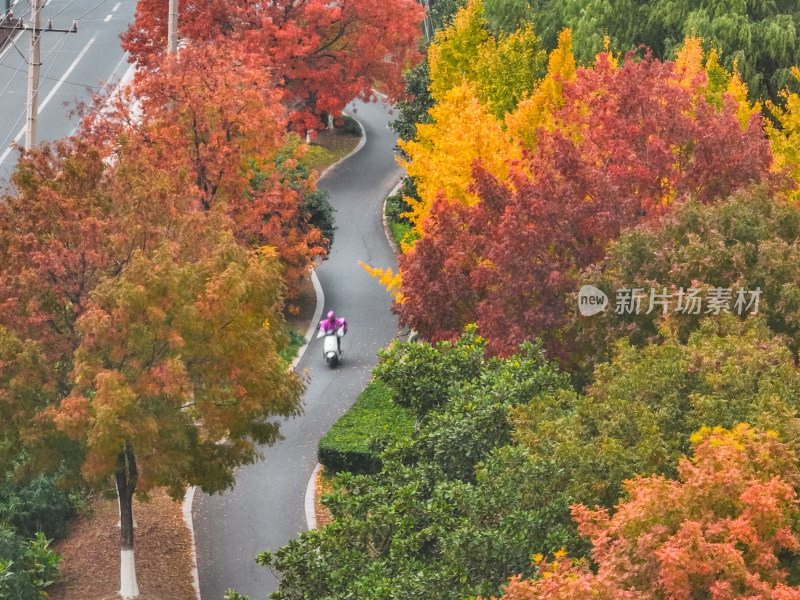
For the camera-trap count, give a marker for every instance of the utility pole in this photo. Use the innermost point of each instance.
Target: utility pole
(33, 75)
(172, 27)
(34, 62)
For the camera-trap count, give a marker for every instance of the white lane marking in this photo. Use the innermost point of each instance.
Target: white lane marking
(127, 77)
(107, 19)
(116, 6)
(53, 92)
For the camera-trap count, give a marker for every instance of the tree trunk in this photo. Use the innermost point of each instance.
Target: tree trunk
(126, 476)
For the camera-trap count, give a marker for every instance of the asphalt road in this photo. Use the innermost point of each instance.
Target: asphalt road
(265, 509)
(73, 65)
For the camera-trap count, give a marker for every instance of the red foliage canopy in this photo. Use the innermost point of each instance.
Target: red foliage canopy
(322, 54)
(629, 143)
(210, 119)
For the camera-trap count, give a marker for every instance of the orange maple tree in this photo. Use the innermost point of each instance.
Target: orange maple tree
(143, 284)
(728, 529)
(138, 338)
(177, 375)
(211, 118)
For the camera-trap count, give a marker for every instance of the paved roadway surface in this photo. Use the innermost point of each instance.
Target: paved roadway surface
(265, 509)
(73, 64)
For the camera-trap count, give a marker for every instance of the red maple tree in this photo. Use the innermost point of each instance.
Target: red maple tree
(321, 54)
(629, 143)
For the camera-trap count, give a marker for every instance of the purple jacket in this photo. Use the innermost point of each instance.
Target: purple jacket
(329, 327)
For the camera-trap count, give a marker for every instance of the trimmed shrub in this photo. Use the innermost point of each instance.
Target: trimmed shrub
(319, 206)
(350, 444)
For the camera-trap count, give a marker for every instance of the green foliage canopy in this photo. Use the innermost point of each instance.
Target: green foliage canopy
(760, 38)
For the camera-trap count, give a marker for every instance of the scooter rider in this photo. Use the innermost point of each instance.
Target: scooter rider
(332, 325)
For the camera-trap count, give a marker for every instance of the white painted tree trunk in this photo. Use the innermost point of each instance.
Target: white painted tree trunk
(126, 476)
(330, 121)
(127, 575)
(308, 136)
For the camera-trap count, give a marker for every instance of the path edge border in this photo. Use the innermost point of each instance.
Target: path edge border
(310, 498)
(187, 519)
(361, 143)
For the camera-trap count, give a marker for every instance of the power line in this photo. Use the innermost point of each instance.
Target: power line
(34, 62)
(63, 8)
(91, 10)
(11, 80)
(25, 59)
(67, 81)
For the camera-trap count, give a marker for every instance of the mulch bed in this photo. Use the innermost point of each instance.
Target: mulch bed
(323, 485)
(162, 545)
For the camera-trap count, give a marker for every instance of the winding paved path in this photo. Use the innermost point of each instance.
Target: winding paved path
(265, 509)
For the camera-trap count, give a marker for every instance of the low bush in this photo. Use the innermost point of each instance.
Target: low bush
(27, 567)
(396, 206)
(350, 445)
(38, 505)
(319, 207)
(349, 127)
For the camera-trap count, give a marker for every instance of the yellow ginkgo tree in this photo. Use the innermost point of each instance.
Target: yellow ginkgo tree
(785, 132)
(537, 110)
(502, 69)
(692, 61)
(462, 132)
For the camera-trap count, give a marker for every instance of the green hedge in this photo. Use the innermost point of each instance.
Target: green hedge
(349, 127)
(346, 447)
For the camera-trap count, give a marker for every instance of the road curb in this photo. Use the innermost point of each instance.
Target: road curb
(311, 496)
(187, 519)
(312, 326)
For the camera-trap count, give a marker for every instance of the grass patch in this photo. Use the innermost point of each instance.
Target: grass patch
(333, 145)
(402, 232)
(296, 340)
(350, 445)
(396, 206)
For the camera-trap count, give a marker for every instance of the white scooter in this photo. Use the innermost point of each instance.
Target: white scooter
(331, 346)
